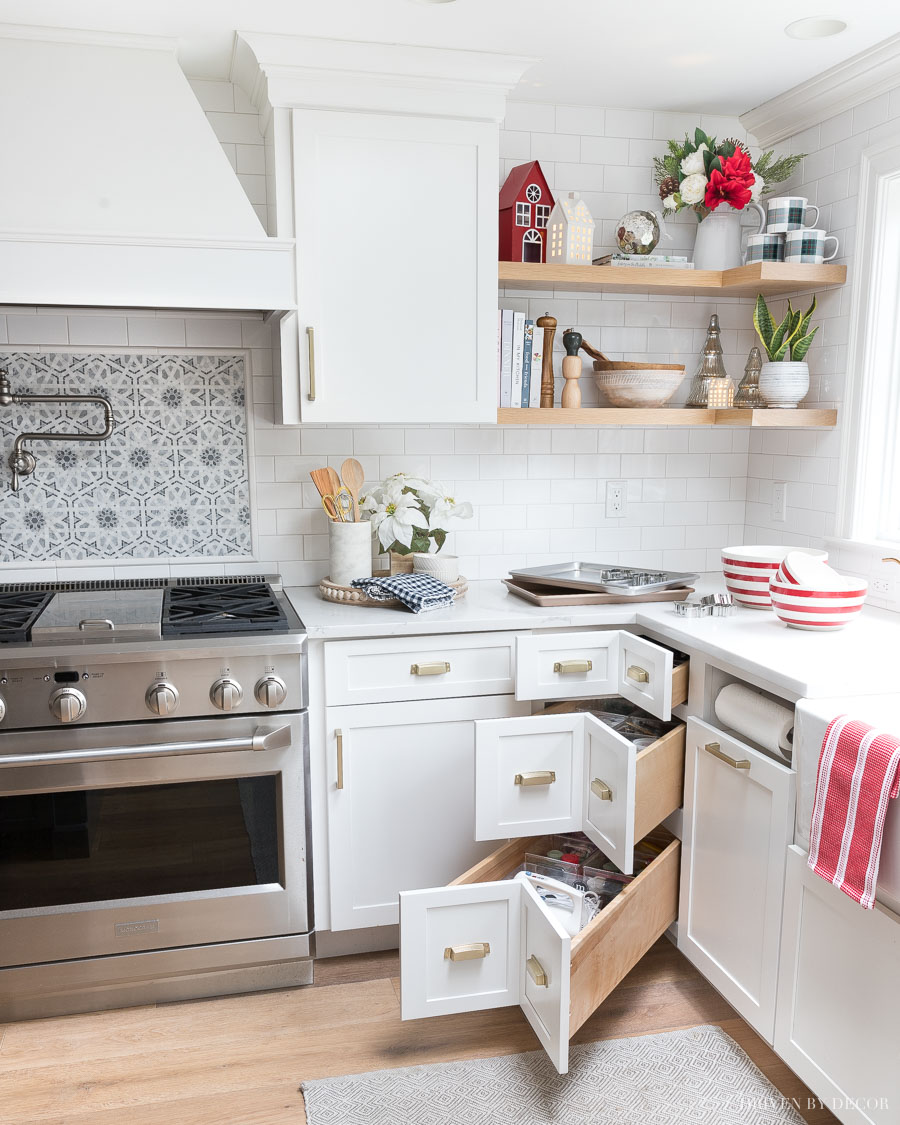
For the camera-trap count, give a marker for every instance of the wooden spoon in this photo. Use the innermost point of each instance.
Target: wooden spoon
(334, 481)
(354, 478)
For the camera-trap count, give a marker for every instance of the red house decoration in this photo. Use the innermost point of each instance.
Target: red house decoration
(525, 206)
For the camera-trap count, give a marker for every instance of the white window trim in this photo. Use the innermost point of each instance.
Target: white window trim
(874, 345)
(522, 213)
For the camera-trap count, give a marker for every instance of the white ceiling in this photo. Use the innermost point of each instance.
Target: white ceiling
(724, 57)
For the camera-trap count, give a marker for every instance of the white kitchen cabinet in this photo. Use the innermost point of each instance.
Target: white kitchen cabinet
(396, 227)
(487, 940)
(838, 997)
(738, 822)
(401, 800)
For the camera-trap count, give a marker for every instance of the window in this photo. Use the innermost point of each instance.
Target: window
(533, 193)
(870, 461)
(523, 214)
(541, 215)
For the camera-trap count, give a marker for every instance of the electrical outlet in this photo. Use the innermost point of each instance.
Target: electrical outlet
(882, 586)
(779, 501)
(615, 498)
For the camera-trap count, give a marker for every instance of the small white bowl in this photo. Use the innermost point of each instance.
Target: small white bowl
(443, 567)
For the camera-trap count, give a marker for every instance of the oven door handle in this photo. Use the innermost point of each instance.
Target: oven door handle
(261, 739)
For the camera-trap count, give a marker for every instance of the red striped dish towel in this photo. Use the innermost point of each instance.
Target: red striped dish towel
(859, 771)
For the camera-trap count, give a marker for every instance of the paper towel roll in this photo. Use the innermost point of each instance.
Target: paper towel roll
(757, 717)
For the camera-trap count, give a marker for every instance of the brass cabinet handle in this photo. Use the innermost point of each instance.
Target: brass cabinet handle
(472, 952)
(569, 667)
(339, 735)
(601, 789)
(435, 668)
(716, 750)
(536, 777)
(536, 972)
(638, 674)
(311, 346)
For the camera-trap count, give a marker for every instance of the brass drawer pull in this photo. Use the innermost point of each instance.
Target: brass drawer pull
(536, 972)
(339, 736)
(638, 674)
(435, 668)
(716, 750)
(536, 777)
(571, 667)
(601, 789)
(311, 346)
(472, 952)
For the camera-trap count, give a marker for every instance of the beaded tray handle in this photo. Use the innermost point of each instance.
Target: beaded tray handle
(351, 595)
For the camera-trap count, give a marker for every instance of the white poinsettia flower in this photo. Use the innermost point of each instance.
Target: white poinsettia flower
(693, 189)
(757, 189)
(447, 508)
(670, 202)
(395, 518)
(693, 164)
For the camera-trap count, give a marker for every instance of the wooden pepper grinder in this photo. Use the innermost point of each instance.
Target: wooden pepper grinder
(571, 369)
(548, 323)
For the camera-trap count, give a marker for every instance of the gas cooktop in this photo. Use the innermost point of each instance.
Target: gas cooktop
(143, 609)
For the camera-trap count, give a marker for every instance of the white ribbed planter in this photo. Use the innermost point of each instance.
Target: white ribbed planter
(783, 386)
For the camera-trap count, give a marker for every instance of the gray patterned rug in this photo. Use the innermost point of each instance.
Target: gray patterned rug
(694, 1077)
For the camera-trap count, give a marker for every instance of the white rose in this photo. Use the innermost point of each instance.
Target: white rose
(693, 188)
(756, 190)
(670, 202)
(693, 163)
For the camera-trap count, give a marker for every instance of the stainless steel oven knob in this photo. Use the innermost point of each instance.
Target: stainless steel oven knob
(2, 708)
(226, 694)
(270, 691)
(162, 698)
(68, 704)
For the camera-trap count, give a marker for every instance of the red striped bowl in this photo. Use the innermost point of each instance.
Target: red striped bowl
(748, 571)
(800, 608)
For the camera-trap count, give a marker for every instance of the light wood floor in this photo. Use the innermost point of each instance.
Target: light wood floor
(240, 1060)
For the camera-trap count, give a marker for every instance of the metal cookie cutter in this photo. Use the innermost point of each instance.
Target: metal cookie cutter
(720, 605)
(692, 609)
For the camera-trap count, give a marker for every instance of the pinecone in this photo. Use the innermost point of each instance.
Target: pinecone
(667, 187)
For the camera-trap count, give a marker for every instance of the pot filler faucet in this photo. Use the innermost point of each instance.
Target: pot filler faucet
(21, 461)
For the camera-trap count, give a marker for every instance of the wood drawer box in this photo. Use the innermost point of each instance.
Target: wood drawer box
(396, 669)
(586, 664)
(559, 981)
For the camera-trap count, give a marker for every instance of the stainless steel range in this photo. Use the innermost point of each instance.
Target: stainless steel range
(153, 792)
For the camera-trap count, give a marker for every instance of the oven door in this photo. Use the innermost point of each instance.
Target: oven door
(151, 836)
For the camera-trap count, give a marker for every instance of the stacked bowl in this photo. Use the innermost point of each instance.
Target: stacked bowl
(807, 594)
(748, 571)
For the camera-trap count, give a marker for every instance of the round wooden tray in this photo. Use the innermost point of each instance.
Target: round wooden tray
(350, 595)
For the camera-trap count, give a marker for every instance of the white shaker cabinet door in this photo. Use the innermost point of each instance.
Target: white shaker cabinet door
(401, 801)
(396, 224)
(738, 822)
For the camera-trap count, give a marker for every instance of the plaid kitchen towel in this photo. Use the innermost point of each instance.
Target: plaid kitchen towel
(418, 592)
(859, 772)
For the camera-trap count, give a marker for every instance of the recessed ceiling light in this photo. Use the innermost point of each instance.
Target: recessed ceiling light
(814, 27)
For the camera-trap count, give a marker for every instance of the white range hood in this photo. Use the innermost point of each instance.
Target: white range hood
(115, 190)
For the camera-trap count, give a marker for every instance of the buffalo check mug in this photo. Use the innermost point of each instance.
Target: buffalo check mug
(808, 245)
(765, 248)
(788, 212)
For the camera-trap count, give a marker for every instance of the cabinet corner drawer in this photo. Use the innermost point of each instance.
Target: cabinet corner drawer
(395, 669)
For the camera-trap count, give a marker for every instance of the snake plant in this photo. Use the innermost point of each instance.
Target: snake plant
(789, 340)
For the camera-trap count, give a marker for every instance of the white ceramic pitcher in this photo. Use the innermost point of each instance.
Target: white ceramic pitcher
(718, 245)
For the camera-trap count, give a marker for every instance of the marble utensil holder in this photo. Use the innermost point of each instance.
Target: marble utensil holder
(349, 551)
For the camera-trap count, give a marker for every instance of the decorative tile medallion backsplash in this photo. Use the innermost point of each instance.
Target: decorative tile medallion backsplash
(172, 480)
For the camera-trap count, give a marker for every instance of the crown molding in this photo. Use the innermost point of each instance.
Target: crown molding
(295, 70)
(87, 38)
(848, 84)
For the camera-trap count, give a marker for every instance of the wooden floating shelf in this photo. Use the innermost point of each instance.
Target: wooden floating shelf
(770, 278)
(668, 416)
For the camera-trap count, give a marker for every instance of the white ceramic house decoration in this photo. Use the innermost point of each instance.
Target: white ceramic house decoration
(570, 232)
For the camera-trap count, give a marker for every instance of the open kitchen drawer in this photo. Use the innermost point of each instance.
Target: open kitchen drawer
(487, 940)
(481, 944)
(583, 665)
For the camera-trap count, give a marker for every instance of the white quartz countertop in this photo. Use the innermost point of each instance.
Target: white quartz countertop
(862, 659)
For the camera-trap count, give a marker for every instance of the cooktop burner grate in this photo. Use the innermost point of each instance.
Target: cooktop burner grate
(251, 607)
(92, 585)
(18, 612)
